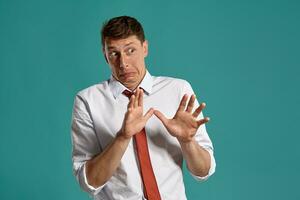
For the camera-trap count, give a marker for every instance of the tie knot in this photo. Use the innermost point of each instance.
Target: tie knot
(127, 93)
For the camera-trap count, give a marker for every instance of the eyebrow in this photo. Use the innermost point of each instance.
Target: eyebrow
(112, 47)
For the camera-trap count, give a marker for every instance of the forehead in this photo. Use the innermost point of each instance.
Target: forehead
(121, 43)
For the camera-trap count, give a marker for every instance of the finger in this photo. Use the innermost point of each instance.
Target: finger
(148, 114)
(161, 117)
(191, 103)
(137, 98)
(131, 101)
(198, 110)
(140, 103)
(183, 103)
(203, 121)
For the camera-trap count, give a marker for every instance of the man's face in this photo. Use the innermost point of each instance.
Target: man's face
(126, 60)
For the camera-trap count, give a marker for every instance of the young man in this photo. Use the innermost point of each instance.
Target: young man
(131, 132)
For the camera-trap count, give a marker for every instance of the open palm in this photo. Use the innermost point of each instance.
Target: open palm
(184, 124)
(134, 120)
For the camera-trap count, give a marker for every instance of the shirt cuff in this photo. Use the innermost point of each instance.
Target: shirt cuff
(84, 182)
(211, 170)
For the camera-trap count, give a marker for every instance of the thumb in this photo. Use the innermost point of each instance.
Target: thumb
(148, 114)
(161, 116)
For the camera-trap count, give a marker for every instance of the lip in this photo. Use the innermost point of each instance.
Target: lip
(127, 74)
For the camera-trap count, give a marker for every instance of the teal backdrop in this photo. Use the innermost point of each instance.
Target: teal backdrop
(241, 57)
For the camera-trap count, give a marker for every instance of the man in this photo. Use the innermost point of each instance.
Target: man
(131, 132)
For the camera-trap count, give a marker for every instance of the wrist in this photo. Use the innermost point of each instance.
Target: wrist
(123, 137)
(186, 142)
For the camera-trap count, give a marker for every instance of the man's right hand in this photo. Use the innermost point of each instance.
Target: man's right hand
(100, 168)
(134, 120)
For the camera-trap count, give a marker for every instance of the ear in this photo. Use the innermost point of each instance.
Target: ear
(104, 54)
(145, 48)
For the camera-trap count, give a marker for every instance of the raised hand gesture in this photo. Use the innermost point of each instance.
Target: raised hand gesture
(184, 124)
(134, 120)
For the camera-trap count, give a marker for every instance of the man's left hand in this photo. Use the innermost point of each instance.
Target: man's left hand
(184, 124)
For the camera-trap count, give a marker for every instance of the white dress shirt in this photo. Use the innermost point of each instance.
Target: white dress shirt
(98, 114)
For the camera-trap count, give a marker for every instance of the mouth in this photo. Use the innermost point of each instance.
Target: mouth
(127, 74)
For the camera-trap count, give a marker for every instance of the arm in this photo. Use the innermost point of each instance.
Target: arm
(184, 126)
(197, 158)
(188, 127)
(101, 168)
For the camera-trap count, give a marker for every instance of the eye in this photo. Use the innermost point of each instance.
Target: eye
(131, 50)
(113, 54)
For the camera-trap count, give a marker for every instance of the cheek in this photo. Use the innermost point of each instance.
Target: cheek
(138, 63)
(114, 69)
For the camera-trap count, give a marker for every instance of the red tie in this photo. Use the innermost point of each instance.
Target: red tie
(151, 191)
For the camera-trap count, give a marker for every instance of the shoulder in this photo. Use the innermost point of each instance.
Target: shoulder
(173, 82)
(93, 90)
(168, 80)
(172, 85)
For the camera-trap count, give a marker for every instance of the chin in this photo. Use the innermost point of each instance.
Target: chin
(130, 80)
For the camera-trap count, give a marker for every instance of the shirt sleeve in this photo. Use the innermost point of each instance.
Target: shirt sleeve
(85, 144)
(201, 136)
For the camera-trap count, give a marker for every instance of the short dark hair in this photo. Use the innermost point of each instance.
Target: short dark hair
(122, 27)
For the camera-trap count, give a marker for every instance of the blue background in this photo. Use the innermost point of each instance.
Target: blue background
(241, 57)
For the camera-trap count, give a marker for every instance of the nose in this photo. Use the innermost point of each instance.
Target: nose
(123, 61)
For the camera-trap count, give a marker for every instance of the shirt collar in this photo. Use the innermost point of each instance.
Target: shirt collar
(117, 87)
